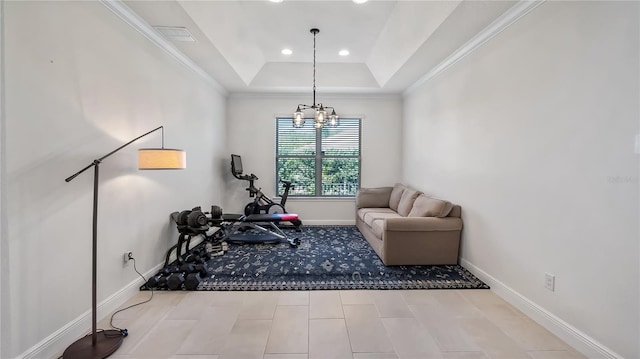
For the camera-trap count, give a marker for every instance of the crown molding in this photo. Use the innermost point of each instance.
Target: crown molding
(132, 19)
(515, 13)
(307, 95)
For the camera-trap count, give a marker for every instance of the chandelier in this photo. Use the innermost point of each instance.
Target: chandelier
(320, 117)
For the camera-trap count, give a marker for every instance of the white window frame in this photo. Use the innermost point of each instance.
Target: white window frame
(318, 156)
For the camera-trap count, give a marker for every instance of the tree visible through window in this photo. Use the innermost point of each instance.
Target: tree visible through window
(319, 162)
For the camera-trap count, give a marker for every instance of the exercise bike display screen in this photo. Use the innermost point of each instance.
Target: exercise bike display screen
(236, 163)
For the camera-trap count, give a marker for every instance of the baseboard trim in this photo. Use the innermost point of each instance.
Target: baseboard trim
(53, 345)
(565, 331)
(329, 222)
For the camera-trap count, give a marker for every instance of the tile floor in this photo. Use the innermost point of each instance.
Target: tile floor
(332, 324)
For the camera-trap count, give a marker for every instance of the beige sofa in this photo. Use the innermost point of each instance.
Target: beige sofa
(406, 227)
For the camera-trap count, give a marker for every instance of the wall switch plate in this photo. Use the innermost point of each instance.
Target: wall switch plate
(550, 281)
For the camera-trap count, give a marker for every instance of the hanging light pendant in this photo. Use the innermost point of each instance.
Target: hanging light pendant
(321, 115)
(320, 118)
(298, 118)
(333, 120)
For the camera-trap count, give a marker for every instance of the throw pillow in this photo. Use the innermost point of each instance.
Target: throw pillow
(373, 197)
(396, 194)
(406, 201)
(425, 206)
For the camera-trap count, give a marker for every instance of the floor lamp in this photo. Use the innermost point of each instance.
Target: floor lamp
(104, 343)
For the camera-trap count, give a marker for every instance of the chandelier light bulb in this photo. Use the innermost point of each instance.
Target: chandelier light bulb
(321, 115)
(333, 119)
(298, 118)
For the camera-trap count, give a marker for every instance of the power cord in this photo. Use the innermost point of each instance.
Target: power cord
(123, 330)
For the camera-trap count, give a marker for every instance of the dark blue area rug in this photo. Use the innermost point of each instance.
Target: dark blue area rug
(329, 257)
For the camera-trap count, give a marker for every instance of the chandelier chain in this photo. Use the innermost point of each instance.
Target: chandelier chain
(314, 71)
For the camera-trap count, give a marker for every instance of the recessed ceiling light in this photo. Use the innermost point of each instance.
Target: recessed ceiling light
(287, 52)
(279, 0)
(343, 52)
(360, 1)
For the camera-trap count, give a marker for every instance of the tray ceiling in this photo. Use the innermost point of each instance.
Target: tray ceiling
(391, 43)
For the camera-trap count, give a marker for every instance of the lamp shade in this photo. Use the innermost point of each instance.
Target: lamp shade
(161, 159)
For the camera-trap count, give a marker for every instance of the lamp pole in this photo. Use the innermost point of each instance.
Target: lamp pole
(104, 343)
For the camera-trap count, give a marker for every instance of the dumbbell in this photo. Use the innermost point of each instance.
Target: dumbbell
(175, 281)
(170, 269)
(190, 257)
(205, 254)
(196, 219)
(181, 219)
(188, 268)
(174, 277)
(158, 281)
(198, 256)
(216, 212)
(192, 281)
(202, 269)
(195, 257)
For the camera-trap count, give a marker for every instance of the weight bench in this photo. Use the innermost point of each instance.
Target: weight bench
(264, 223)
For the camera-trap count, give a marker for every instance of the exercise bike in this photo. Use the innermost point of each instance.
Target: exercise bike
(261, 204)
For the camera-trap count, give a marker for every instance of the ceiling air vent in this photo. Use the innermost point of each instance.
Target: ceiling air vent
(173, 33)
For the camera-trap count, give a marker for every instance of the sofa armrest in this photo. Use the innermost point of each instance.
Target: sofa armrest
(422, 224)
(373, 197)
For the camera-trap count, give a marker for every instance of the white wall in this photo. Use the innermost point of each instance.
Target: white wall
(251, 134)
(533, 134)
(80, 83)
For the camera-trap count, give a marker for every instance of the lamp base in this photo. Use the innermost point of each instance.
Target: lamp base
(107, 342)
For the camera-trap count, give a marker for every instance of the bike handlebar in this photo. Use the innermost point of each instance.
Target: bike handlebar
(250, 177)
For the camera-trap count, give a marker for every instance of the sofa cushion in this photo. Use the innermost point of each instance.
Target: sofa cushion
(373, 197)
(425, 206)
(406, 201)
(396, 194)
(363, 211)
(456, 211)
(378, 228)
(372, 216)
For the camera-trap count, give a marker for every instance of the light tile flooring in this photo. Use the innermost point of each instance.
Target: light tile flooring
(332, 324)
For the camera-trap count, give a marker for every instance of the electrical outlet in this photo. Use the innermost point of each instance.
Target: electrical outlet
(128, 255)
(550, 281)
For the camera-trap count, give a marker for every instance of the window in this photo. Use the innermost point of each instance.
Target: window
(319, 162)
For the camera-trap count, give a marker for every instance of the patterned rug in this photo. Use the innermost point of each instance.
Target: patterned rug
(329, 257)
